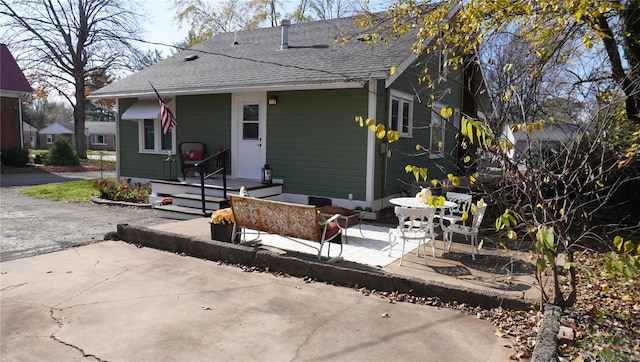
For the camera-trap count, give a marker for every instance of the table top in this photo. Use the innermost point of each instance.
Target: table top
(413, 202)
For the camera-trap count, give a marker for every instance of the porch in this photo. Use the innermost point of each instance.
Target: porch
(187, 201)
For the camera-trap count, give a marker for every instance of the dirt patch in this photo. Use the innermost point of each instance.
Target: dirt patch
(492, 263)
(85, 166)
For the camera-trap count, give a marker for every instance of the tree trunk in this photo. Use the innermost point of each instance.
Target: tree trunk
(78, 116)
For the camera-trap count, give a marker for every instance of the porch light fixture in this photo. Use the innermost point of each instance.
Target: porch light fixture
(267, 175)
(273, 100)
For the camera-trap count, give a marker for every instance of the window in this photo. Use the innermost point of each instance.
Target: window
(401, 113)
(49, 139)
(442, 59)
(99, 139)
(152, 140)
(436, 142)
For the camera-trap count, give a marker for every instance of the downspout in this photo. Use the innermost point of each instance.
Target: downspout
(116, 138)
(21, 125)
(371, 143)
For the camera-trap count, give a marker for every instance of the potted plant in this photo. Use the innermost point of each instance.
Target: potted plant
(222, 225)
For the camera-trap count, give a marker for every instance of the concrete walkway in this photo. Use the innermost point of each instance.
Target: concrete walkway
(113, 301)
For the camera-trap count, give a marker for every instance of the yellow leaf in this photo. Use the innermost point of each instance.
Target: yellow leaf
(539, 206)
(512, 235)
(380, 133)
(434, 182)
(465, 216)
(418, 147)
(562, 211)
(446, 112)
(360, 121)
(393, 70)
(455, 181)
(499, 333)
(507, 67)
(370, 122)
(389, 153)
(599, 183)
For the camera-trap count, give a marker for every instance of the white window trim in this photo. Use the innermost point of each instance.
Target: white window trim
(157, 134)
(157, 141)
(435, 112)
(49, 139)
(402, 97)
(94, 137)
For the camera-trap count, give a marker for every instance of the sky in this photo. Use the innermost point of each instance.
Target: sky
(161, 26)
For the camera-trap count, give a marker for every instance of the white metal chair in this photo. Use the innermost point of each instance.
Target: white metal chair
(454, 214)
(414, 224)
(471, 230)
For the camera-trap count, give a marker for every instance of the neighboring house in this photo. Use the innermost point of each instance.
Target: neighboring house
(13, 85)
(100, 135)
(553, 137)
(288, 96)
(29, 136)
(49, 134)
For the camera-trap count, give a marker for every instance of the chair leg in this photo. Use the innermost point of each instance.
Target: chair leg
(474, 248)
(404, 241)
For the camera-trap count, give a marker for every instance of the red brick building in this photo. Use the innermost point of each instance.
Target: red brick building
(13, 85)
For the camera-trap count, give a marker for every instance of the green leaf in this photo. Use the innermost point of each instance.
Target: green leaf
(617, 242)
(541, 264)
(628, 246)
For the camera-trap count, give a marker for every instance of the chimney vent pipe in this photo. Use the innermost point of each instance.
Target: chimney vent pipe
(284, 43)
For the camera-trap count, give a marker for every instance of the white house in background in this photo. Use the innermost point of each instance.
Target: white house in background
(552, 137)
(49, 134)
(100, 135)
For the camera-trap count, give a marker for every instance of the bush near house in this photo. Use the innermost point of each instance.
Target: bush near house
(61, 154)
(15, 157)
(110, 189)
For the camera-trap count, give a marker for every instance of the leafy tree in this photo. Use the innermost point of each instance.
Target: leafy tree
(63, 43)
(558, 201)
(41, 112)
(206, 19)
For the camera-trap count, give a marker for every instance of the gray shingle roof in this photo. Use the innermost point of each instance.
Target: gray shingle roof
(313, 57)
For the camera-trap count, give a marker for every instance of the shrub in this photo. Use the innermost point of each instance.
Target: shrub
(110, 189)
(14, 156)
(61, 154)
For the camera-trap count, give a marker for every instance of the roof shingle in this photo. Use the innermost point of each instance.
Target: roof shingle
(314, 56)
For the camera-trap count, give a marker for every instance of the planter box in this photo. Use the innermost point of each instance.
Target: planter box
(222, 232)
(368, 215)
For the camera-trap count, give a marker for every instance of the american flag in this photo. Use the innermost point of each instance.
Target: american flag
(168, 120)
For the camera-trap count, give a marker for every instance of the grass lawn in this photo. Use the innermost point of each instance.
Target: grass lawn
(74, 191)
(89, 152)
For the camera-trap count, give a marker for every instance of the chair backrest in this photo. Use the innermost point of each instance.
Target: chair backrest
(192, 151)
(460, 199)
(477, 217)
(421, 217)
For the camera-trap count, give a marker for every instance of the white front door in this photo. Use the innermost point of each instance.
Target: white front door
(250, 126)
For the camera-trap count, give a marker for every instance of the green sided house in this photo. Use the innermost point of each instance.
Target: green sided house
(288, 97)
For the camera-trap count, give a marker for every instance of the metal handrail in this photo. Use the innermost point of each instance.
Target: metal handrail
(200, 165)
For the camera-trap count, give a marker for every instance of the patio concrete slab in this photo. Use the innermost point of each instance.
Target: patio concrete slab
(114, 301)
(438, 268)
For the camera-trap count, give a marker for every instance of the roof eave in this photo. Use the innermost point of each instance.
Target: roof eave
(221, 90)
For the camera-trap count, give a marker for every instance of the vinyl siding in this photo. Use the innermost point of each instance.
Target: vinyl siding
(204, 118)
(315, 146)
(405, 147)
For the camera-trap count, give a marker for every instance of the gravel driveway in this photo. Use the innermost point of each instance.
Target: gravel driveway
(31, 226)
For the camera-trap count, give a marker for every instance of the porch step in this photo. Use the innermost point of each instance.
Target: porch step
(180, 212)
(195, 201)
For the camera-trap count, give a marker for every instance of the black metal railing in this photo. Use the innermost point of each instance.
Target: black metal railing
(220, 166)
